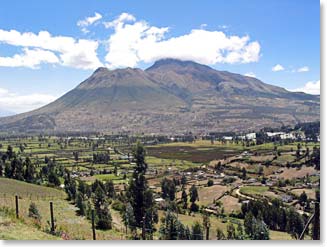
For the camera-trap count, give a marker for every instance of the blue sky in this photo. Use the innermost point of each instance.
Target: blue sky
(247, 37)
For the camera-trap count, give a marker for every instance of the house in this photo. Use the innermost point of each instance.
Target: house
(251, 136)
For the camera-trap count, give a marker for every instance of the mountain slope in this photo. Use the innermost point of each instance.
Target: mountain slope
(172, 96)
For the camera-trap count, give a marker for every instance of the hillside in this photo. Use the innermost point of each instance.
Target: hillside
(171, 97)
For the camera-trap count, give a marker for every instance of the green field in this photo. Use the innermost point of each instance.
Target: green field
(254, 190)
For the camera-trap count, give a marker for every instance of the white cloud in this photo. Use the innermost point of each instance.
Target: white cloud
(303, 69)
(203, 26)
(310, 87)
(250, 74)
(277, 67)
(18, 103)
(80, 53)
(30, 58)
(134, 42)
(118, 22)
(83, 24)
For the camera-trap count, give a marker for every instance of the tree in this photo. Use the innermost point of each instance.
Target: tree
(249, 223)
(295, 223)
(231, 233)
(261, 231)
(81, 204)
(70, 186)
(243, 173)
(193, 197)
(128, 217)
(197, 231)
(10, 153)
(206, 224)
(151, 213)
(104, 219)
(137, 192)
(183, 180)
(184, 198)
(172, 229)
(53, 179)
(1, 169)
(240, 235)
(168, 189)
(303, 198)
(29, 174)
(110, 189)
(220, 234)
(76, 154)
(316, 219)
(103, 215)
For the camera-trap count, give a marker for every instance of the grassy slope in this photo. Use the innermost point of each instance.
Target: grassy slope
(13, 229)
(66, 217)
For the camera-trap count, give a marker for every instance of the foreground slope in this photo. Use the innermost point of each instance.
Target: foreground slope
(172, 96)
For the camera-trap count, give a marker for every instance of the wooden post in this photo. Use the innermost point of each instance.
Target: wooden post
(52, 219)
(16, 202)
(93, 227)
(207, 233)
(143, 228)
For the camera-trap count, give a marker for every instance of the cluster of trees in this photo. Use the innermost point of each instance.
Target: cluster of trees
(97, 196)
(172, 229)
(275, 216)
(101, 158)
(15, 167)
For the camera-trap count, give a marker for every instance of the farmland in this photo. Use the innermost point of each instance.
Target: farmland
(226, 175)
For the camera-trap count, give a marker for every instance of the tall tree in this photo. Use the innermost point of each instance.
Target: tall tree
(194, 196)
(316, 219)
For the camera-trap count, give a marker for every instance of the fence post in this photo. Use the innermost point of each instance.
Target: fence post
(52, 219)
(93, 227)
(16, 202)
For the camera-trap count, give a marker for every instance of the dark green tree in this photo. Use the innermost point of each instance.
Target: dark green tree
(197, 231)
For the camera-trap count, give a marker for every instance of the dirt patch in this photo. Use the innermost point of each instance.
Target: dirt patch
(208, 194)
(230, 204)
(310, 193)
(290, 173)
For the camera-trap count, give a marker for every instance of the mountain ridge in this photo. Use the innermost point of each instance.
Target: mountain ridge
(171, 96)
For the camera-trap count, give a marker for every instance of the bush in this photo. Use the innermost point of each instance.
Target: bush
(210, 182)
(194, 207)
(118, 205)
(33, 212)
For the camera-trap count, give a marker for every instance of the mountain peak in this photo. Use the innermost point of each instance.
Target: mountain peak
(100, 71)
(167, 62)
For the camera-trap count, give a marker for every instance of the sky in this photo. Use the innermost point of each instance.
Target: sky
(48, 47)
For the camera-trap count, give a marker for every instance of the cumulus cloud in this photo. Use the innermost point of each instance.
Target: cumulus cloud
(134, 42)
(311, 87)
(250, 74)
(278, 67)
(30, 58)
(303, 69)
(18, 103)
(70, 52)
(83, 24)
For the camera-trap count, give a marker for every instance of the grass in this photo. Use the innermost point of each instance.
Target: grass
(11, 187)
(254, 190)
(66, 218)
(15, 229)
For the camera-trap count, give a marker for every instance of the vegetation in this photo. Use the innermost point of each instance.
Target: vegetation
(182, 191)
